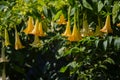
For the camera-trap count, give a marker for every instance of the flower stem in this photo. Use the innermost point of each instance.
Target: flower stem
(3, 57)
(3, 72)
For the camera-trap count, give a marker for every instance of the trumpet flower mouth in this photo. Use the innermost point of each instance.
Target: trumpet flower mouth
(37, 42)
(42, 33)
(68, 30)
(38, 30)
(107, 28)
(29, 27)
(18, 44)
(35, 31)
(118, 25)
(75, 34)
(61, 20)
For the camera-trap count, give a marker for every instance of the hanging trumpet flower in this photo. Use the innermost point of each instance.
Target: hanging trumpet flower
(38, 30)
(107, 28)
(118, 25)
(35, 31)
(85, 30)
(75, 34)
(37, 42)
(61, 20)
(18, 44)
(90, 31)
(7, 42)
(98, 27)
(68, 30)
(30, 26)
(41, 32)
(97, 31)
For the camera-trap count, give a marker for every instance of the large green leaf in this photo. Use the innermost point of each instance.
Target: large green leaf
(100, 6)
(105, 44)
(109, 60)
(97, 43)
(115, 10)
(117, 43)
(63, 69)
(57, 15)
(86, 5)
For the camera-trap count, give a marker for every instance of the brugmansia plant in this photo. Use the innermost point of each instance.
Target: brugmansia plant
(7, 42)
(30, 26)
(68, 28)
(60, 39)
(75, 36)
(107, 28)
(18, 44)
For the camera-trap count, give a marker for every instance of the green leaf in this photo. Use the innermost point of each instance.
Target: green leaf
(115, 10)
(72, 50)
(75, 50)
(61, 53)
(57, 15)
(105, 43)
(109, 60)
(103, 66)
(117, 43)
(87, 5)
(45, 11)
(82, 49)
(110, 40)
(63, 69)
(73, 64)
(96, 43)
(100, 6)
(19, 69)
(71, 2)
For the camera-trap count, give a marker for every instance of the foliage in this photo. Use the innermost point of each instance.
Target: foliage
(56, 58)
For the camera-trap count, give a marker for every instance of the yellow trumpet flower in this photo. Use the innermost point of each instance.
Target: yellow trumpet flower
(90, 32)
(61, 20)
(37, 42)
(18, 44)
(7, 42)
(85, 30)
(75, 34)
(41, 32)
(98, 32)
(29, 27)
(118, 25)
(68, 30)
(107, 28)
(36, 31)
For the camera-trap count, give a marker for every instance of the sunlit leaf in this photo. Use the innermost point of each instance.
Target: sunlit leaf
(109, 60)
(103, 66)
(63, 69)
(100, 6)
(105, 44)
(82, 49)
(96, 43)
(61, 52)
(110, 40)
(117, 43)
(115, 10)
(57, 15)
(87, 5)
(45, 11)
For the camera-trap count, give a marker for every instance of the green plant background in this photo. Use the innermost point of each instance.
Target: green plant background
(91, 58)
